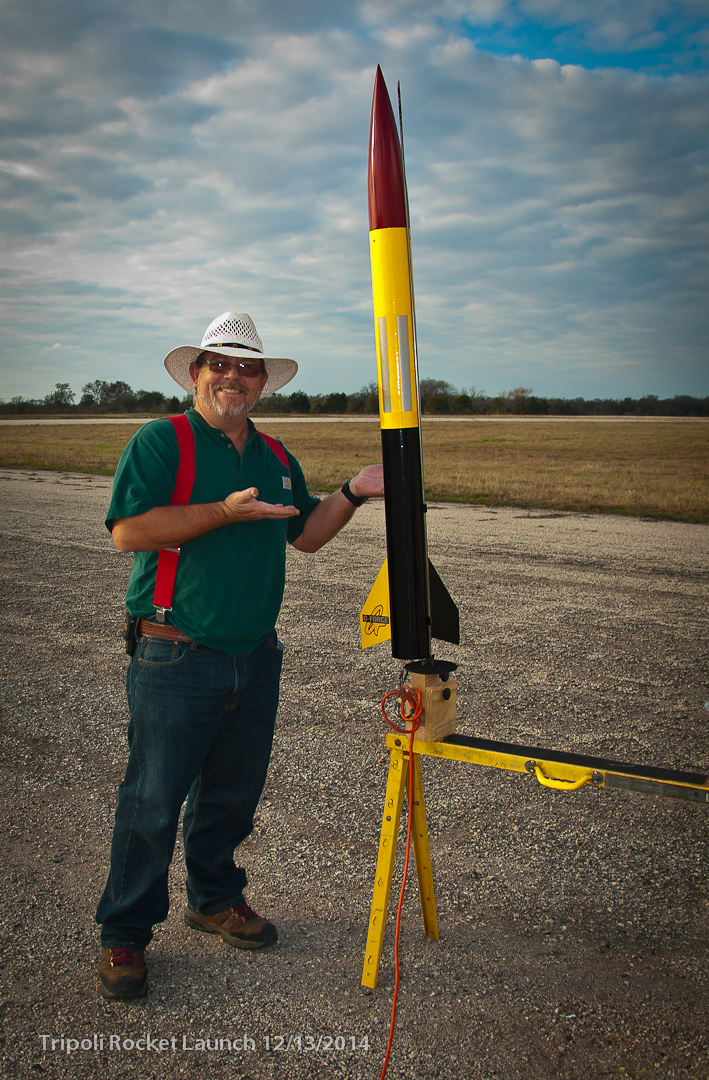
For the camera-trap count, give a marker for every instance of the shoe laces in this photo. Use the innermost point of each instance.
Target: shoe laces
(244, 912)
(122, 957)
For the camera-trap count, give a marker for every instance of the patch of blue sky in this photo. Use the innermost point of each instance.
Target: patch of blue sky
(667, 49)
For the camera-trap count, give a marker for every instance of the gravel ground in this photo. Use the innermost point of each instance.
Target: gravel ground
(573, 926)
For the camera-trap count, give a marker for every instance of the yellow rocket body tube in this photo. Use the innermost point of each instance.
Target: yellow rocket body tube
(394, 332)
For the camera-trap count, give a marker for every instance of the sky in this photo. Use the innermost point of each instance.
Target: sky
(163, 161)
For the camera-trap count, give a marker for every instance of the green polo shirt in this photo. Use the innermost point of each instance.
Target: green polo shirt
(229, 583)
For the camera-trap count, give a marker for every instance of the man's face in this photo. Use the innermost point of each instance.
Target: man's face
(225, 393)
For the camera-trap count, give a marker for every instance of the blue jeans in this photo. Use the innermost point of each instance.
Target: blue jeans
(201, 728)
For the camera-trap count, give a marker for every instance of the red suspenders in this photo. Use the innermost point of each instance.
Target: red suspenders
(277, 449)
(184, 482)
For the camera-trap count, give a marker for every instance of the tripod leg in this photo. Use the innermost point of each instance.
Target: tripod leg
(422, 851)
(394, 798)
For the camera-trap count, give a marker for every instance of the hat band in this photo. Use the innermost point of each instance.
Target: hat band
(230, 345)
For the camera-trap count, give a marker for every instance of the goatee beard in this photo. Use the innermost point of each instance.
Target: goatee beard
(225, 410)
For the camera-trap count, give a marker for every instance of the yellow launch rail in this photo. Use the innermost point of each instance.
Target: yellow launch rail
(552, 768)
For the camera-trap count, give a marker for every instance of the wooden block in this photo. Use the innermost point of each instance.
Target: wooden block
(439, 700)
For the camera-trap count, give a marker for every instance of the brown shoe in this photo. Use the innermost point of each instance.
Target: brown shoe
(123, 974)
(239, 926)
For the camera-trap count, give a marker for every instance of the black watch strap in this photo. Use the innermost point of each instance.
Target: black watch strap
(354, 499)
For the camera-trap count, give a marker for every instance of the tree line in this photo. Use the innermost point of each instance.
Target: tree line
(99, 397)
(438, 398)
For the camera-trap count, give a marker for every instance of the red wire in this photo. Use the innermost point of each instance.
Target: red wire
(410, 696)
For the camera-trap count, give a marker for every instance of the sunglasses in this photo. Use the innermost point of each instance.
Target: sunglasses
(248, 368)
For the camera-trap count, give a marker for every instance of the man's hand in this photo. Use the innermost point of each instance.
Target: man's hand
(245, 506)
(368, 483)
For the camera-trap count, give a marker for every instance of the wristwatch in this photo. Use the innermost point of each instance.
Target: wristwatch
(356, 500)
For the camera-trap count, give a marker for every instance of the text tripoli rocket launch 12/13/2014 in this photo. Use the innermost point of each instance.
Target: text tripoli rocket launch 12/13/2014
(408, 602)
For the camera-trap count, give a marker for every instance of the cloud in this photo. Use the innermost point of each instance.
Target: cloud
(558, 212)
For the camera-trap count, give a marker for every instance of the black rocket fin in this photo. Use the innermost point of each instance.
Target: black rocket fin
(445, 618)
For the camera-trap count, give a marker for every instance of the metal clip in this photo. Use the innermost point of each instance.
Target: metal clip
(160, 614)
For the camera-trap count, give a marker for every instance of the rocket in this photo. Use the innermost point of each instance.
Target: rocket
(408, 601)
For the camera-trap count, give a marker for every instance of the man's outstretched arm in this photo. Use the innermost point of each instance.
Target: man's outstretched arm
(326, 520)
(170, 526)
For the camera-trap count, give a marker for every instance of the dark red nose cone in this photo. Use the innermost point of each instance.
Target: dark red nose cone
(385, 174)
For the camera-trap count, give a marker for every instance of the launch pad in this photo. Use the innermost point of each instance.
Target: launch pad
(552, 768)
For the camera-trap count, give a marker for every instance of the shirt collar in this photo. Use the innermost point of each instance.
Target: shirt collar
(217, 433)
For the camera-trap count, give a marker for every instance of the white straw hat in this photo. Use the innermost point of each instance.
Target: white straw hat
(230, 334)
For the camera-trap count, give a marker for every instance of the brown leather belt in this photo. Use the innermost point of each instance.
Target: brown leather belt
(160, 630)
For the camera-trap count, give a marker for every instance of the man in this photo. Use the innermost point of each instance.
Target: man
(204, 676)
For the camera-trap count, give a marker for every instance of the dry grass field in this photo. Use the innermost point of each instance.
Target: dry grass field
(653, 469)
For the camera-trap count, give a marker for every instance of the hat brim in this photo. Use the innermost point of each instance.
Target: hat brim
(280, 370)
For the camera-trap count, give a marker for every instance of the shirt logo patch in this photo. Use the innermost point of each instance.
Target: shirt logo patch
(287, 483)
